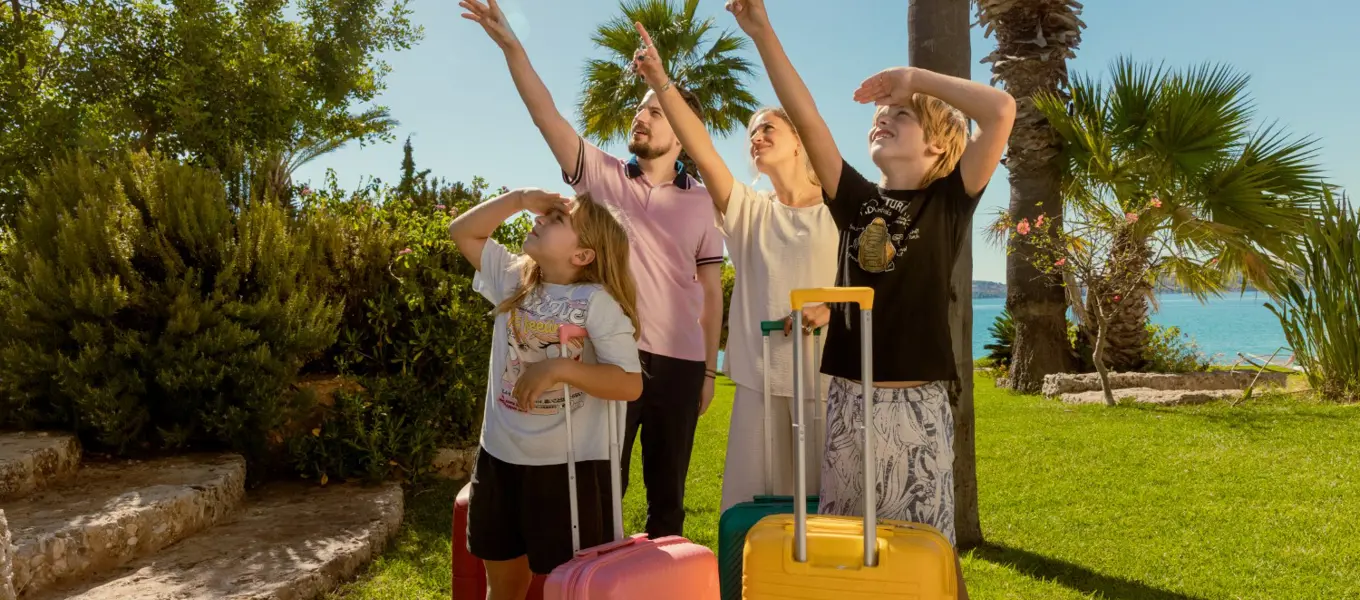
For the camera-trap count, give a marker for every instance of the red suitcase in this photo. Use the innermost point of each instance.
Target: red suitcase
(469, 575)
(635, 567)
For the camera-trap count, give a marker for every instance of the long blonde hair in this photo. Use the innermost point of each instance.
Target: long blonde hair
(944, 126)
(783, 116)
(596, 229)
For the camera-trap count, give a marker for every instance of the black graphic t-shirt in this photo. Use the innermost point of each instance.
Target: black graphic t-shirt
(902, 243)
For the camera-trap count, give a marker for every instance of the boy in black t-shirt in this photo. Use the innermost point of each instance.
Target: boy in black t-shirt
(901, 237)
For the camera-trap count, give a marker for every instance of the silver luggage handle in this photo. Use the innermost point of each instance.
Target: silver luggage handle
(566, 333)
(766, 328)
(864, 297)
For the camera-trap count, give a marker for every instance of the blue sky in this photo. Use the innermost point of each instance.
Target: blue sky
(453, 94)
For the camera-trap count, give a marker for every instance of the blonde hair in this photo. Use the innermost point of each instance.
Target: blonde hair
(943, 126)
(596, 229)
(783, 116)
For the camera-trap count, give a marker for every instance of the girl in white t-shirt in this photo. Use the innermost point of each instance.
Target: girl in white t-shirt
(778, 241)
(574, 271)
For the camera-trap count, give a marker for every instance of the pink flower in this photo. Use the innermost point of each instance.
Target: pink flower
(1023, 227)
(1116, 297)
(1213, 261)
(404, 252)
(1156, 203)
(1061, 262)
(439, 206)
(306, 191)
(1039, 222)
(1131, 217)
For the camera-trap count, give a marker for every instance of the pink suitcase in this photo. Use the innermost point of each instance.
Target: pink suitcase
(635, 567)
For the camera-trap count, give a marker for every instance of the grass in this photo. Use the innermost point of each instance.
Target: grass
(1122, 503)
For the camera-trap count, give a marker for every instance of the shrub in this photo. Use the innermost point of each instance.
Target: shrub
(1171, 351)
(1318, 309)
(140, 310)
(1003, 339)
(414, 333)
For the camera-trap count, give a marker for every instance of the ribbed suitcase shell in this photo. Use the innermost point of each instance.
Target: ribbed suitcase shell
(915, 562)
(666, 568)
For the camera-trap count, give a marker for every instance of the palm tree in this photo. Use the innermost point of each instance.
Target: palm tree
(1176, 152)
(937, 33)
(715, 75)
(1034, 39)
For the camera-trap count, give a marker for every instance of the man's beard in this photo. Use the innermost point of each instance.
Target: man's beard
(644, 151)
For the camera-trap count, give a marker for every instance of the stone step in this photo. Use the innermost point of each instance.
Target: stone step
(1153, 396)
(291, 541)
(33, 460)
(114, 512)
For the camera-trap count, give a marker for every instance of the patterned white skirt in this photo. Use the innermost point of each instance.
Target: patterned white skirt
(913, 432)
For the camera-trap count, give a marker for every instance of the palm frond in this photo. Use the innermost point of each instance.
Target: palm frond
(714, 72)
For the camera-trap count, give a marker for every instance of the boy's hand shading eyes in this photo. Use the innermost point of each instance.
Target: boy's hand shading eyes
(887, 87)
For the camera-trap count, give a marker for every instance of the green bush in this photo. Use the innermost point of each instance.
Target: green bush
(1320, 310)
(1003, 339)
(1171, 351)
(414, 333)
(140, 310)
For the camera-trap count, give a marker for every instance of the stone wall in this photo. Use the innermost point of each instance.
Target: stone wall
(1073, 383)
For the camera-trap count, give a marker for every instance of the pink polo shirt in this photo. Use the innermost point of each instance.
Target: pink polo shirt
(671, 231)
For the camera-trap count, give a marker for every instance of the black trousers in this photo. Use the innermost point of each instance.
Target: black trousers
(668, 412)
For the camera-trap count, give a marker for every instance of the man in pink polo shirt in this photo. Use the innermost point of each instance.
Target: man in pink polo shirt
(676, 261)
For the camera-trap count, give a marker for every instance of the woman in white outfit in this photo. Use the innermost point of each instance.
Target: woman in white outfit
(778, 241)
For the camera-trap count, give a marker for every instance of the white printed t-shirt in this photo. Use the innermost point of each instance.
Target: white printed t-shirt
(775, 249)
(527, 335)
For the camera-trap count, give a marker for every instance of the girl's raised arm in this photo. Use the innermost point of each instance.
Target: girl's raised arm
(471, 229)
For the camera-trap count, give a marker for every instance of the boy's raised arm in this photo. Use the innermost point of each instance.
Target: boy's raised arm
(992, 109)
(557, 131)
(793, 94)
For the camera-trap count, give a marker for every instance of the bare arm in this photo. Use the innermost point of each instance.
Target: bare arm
(710, 277)
(687, 125)
(792, 92)
(604, 381)
(992, 109)
(471, 229)
(608, 382)
(557, 131)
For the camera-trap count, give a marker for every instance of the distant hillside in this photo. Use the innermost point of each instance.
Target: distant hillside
(992, 289)
(988, 289)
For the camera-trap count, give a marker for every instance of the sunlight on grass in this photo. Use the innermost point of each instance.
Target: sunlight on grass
(1123, 503)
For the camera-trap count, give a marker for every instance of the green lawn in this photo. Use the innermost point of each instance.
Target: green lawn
(1124, 503)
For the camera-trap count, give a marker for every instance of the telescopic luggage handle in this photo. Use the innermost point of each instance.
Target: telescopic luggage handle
(566, 333)
(766, 328)
(864, 297)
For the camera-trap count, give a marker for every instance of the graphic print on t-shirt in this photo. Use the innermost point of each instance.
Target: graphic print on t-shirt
(882, 238)
(532, 330)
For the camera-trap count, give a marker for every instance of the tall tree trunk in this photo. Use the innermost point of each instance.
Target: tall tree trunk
(1034, 299)
(1034, 39)
(937, 31)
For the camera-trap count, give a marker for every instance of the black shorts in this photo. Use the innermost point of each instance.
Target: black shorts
(514, 510)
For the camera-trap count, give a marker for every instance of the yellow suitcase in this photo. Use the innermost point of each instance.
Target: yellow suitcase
(826, 557)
